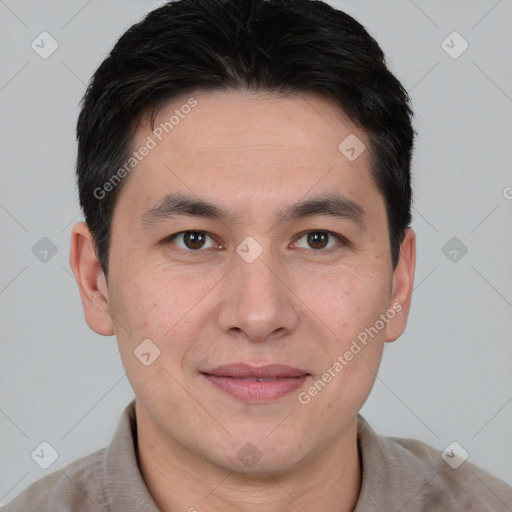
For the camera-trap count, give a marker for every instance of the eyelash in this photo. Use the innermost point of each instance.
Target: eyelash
(342, 240)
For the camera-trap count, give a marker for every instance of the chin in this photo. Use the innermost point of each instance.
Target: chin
(260, 457)
(263, 469)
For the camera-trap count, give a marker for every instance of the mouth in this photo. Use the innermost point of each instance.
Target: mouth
(256, 384)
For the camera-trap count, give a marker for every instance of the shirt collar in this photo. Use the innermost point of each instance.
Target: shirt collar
(124, 483)
(385, 473)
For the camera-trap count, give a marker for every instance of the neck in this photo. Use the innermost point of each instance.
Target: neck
(179, 479)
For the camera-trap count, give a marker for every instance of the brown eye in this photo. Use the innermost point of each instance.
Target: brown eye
(192, 240)
(318, 240)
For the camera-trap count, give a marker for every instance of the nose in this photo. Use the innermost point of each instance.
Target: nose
(258, 303)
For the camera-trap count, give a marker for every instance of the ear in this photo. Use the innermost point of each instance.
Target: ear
(91, 280)
(403, 281)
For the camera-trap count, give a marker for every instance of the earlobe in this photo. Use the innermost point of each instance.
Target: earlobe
(91, 280)
(403, 282)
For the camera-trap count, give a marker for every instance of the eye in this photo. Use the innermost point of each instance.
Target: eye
(317, 240)
(192, 240)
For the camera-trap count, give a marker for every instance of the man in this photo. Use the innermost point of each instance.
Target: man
(244, 171)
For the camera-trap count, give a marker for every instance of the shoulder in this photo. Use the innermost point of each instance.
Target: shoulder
(78, 486)
(415, 476)
(455, 481)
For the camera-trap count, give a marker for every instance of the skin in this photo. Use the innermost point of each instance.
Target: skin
(253, 154)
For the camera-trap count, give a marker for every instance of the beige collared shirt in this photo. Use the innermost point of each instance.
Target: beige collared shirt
(399, 475)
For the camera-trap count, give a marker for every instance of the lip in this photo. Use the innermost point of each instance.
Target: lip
(241, 380)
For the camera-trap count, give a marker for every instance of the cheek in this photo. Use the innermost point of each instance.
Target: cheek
(356, 350)
(147, 307)
(159, 305)
(360, 334)
(136, 303)
(349, 301)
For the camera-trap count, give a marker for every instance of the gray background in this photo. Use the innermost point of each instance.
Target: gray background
(448, 378)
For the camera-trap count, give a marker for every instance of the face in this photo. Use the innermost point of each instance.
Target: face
(250, 300)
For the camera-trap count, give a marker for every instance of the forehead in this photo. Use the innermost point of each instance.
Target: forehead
(243, 120)
(262, 146)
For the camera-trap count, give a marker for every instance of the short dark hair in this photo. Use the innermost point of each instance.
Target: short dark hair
(283, 46)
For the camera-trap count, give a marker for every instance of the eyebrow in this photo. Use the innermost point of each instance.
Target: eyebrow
(178, 204)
